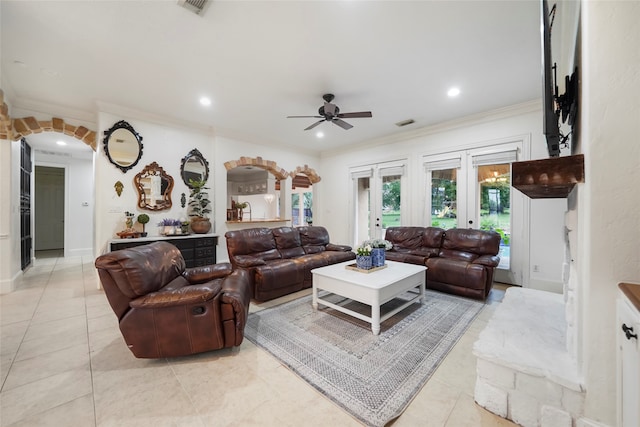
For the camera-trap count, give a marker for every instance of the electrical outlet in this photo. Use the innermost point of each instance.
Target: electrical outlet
(536, 268)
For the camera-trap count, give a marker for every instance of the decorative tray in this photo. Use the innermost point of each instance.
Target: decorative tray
(128, 234)
(371, 270)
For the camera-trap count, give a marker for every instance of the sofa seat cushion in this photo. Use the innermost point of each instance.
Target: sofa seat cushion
(279, 273)
(448, 270)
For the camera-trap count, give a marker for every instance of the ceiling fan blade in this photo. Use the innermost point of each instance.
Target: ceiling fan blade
(304, 117)
(342, 124)
(329, 109)
(358, 115)
(314, 125)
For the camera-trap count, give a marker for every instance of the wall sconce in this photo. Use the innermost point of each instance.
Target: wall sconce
(269, 198)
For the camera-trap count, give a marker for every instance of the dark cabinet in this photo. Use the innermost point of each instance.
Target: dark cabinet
(196, 250)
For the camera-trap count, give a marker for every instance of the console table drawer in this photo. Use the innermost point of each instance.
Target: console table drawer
(197, 251)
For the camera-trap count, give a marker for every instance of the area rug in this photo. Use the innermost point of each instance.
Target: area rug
(374, 378)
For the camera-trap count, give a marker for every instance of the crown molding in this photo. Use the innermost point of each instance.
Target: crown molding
(474, 119)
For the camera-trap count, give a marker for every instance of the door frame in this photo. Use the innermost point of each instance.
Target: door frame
(467, 206)
(375, 173)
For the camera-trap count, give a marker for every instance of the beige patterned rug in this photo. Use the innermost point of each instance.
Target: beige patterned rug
(373, 378)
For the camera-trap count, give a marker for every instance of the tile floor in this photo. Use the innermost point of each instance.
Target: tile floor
(64, 363)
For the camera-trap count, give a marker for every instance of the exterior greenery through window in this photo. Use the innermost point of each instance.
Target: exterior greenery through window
(307, 214)
(390, 201)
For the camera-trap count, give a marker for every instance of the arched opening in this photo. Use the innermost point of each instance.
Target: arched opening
(253, 181)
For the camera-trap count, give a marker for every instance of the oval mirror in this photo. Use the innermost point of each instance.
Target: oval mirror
(122, 145)
(194, 167)
(154, 187)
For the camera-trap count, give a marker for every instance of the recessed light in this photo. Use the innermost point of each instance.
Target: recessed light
(61, 143)
(204, 101)
(319, 134)
(454, 91)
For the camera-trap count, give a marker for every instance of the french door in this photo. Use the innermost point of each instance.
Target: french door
(379, 199)
(472, 189)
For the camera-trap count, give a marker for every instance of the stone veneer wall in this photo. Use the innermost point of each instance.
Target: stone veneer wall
(524, 371)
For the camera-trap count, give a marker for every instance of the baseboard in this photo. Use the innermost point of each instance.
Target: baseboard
(546, 285)
(86, 252)
(9, 285)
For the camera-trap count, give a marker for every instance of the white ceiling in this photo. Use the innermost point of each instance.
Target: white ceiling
(260, 61)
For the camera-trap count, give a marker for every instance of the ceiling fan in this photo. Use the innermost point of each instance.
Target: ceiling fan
(331, 113)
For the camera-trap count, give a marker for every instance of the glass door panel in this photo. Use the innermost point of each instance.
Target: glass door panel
(391, 198)
(362, 210)
(444, 198)
(494, 195)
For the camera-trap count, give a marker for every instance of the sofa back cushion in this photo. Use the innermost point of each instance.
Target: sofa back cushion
(256, 242)
(314, 238)
(469, 244)
(288, 242)
(142, 269)
(405, 238)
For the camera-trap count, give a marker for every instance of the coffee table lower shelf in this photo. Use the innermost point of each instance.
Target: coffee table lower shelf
(370, 289)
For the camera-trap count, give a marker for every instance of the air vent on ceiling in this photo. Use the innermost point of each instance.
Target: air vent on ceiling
(405, 122)
(195, 6)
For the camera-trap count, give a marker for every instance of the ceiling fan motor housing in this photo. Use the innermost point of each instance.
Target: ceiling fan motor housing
(327, 115)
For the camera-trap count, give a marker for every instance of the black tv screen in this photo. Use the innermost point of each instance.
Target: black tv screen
(551, 125)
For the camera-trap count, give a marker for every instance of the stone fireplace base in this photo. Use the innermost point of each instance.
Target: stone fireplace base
(524, 372)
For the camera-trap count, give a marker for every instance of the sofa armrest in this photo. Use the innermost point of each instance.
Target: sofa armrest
(338, 248)
(236, 291)
(247, 261)
(488, 260)
(206, 273)
(186, 295)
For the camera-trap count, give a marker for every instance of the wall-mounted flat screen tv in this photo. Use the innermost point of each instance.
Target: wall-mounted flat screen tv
(551, 125)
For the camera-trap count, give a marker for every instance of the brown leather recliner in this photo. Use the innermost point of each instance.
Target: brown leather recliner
(167, 310)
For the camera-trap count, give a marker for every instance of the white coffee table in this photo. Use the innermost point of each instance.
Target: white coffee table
(373, 289)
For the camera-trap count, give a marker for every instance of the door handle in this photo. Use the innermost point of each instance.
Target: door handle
(628, 331)
(470, 222)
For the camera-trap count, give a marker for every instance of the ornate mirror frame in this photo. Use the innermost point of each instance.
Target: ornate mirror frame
(201, 171)
(127, 155)
(154, 187)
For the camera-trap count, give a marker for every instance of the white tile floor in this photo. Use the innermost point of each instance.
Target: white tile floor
(64, 363)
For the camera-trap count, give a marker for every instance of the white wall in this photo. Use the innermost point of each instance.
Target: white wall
(546, 249)
(78, 230)
(164, 144)
(609, 200)
(9, 215)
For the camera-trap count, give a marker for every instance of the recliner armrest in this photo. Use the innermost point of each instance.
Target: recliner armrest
(338, 248)
(186, 295)
(488, 260)
(206, 273)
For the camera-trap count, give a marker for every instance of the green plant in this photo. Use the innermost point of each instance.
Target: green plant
(143, 219)
(364, 249)
(241, 205)
(198, 199)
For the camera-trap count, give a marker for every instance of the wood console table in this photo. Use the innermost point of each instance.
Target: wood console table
(197, 249)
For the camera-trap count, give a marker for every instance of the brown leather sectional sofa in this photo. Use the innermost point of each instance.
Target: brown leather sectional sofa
(280, 260)
(459, 261)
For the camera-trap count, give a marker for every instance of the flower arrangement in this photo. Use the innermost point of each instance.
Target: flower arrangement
(168, 222)
(364, 249)
(379, 243)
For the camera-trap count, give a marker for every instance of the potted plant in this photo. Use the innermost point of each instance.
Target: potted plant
(199, 206)
(168, 226)
(143, 219)
(241, 206)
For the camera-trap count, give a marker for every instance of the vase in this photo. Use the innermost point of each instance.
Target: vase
(363, 262)
(200, 225)
(378, 257)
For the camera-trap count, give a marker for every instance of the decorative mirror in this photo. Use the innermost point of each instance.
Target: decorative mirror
(122, 145)
(194, 167)
(154, 187)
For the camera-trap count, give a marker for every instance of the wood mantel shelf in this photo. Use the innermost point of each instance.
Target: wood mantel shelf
(551, 178)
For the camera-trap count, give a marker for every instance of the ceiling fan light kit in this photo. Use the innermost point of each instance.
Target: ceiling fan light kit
(331, 113)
